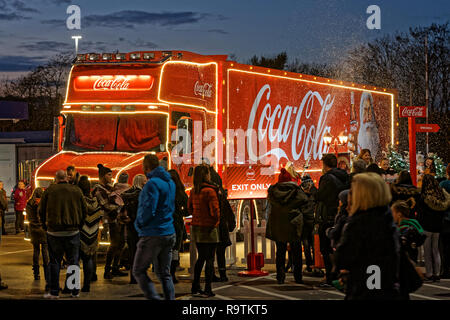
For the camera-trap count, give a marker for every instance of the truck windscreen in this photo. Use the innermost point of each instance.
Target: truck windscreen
(125, 133)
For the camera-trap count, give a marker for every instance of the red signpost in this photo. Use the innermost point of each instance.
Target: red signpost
(413, 112)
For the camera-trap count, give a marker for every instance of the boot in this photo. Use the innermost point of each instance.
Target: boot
(208, 290)
(108, 274)
(173, 268)
(36, 272)
(215, 278)
(196, 288)
(223, 275)
(117, 273)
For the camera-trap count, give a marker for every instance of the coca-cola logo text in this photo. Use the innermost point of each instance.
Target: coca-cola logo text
(119, 83)
(275, 124)
(204, 90)
(113, 83)
(417, 112)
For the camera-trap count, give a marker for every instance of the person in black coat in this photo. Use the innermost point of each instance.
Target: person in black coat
(331, 184)
(226, 225)
(335, 232)
(368, 253)
(433, 203)
(37, 234)
(309, 209)
(181, 201)
(131, 200)
(285, 223)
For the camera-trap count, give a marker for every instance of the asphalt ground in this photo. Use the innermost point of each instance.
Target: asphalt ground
(15, 267)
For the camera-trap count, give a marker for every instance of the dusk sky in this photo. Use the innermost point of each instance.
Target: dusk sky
(31, 31)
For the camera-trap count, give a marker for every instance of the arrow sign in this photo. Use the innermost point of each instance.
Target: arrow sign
(430, 127)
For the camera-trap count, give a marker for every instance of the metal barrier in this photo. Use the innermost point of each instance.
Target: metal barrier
(259, 232)
(264, 246)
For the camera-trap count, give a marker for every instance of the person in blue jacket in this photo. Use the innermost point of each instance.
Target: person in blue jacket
(154, 224)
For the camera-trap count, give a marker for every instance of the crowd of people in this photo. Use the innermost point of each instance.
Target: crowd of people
(372, 216)
(66, 217)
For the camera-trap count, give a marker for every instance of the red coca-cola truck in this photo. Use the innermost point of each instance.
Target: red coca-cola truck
(247, 121)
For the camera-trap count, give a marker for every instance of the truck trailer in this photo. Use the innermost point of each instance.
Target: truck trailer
(188, 108)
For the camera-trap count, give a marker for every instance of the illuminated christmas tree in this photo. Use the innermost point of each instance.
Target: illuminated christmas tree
(439, 164)
(396, 161)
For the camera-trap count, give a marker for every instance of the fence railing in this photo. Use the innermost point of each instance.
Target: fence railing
(261, 245)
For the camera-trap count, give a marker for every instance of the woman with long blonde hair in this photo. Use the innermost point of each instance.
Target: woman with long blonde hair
(370, 242)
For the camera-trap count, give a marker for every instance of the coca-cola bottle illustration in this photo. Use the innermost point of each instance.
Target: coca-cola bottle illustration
(352, 143)
(353, 119)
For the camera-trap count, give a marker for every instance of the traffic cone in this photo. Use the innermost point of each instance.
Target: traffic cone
(318, 259)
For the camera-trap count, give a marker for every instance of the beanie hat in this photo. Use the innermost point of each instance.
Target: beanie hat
(102, 170)
(284, 176)
(306, 178)
(123, 178)
(306, 181)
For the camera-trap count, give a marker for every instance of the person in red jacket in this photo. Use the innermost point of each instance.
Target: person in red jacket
(20, 203)
(203, 205)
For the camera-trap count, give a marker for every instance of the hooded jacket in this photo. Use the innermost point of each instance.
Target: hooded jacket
(287, 204)
(330, 185)
(156, 205)
(431, 210)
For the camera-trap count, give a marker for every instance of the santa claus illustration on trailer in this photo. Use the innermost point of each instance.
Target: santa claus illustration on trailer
(368, 136)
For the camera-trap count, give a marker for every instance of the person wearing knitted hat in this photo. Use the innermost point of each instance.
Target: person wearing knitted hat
(284, 176)
(102, 192)
(285, 223)
(310, 190)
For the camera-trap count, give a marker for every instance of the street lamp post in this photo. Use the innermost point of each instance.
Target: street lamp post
(340, 140)
(76, 38)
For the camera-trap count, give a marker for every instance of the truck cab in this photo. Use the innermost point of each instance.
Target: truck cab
(120, 107)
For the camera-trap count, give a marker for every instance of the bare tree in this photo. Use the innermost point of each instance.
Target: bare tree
(398, 61)
(43, 88)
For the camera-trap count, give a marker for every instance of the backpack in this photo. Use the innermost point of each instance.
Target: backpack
(412, 234)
